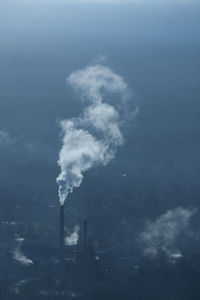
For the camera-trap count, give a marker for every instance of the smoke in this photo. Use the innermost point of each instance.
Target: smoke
(92, 138)
(5, 138)
(163, 235)
(73, 238)
(19, 256)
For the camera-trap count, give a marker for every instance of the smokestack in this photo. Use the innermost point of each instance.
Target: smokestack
(61, 248)
(85, 233)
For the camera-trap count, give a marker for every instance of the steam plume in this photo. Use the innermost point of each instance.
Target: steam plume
(92, 138)
(19, 256)
(73, 238)
(162, 235)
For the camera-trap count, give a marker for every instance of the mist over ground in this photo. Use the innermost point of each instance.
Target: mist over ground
(155, 47)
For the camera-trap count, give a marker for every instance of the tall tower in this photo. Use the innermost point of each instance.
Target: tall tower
(61, 229)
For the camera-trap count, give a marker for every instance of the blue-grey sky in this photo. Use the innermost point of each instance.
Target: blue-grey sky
(153, 45)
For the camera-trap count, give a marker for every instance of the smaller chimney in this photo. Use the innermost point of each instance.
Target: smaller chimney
(85, 237)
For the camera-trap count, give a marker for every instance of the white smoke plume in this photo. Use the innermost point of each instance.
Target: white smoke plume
(162, 235)
(73, 238)
(92, 138)
(19, 256)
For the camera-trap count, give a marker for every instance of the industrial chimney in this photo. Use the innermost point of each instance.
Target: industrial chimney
(61, 246)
